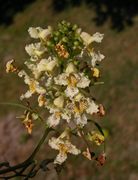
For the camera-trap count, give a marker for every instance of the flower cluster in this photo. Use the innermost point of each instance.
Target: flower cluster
(61, 70)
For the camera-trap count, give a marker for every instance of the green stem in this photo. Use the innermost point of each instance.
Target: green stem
(47, 130)
(30, 160)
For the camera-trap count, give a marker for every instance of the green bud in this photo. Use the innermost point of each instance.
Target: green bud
(76, 43)
(60, 25)
(68, 24)
(61, 30)
(56, 39)
(56, 33)
(49, 43)
(63, 22)
(65, 29)
(65, 39)
(74, 27)
(76, 62)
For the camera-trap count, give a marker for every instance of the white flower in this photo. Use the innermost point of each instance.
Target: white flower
(81, 108)
(54, 119)
(92, 107)
(83, 81)
(39, 32)
(55, 116)
(34, 32)
(34, 86)
(71, 91)
(96, 58)
(10, 66)
(80, 119)
(64, 146)
(97, 37)
(73, 82)
(46, 65)
(61, 79)
(35, 50)
(87, 38)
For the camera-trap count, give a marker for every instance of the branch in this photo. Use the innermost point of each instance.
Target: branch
(19, 169)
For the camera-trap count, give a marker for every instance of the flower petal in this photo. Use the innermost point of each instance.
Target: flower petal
(97, 37)
(53, 143)
(53, 120)
(71, 91)
(61, 157)
(81, 119)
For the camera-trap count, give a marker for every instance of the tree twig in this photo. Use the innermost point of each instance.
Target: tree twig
(21, 167)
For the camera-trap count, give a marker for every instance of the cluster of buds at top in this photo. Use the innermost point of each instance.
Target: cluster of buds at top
(62, 69)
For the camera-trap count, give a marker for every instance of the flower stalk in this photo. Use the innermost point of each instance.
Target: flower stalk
(18, 170)
(62, 69)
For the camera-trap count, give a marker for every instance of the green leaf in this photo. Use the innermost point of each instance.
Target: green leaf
(15, 104)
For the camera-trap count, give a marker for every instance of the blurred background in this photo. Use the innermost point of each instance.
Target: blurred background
(118, 20)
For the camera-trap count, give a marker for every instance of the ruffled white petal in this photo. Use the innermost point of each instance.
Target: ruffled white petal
(71, 91)
(38, 32)
(61, 157)
(35, 50)
(34, 32)
(83, 82)
(27, 95)
(80, 119)
(61, 79)
(73, 150)
(53, 143)
(97, 37)
(92, 107)
(53, 120)
(96, 58)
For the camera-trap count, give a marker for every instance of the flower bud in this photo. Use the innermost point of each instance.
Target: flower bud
(76, 43)
(96, 137)
(65, 39)
(101, 159)
(50, 66)
(96, 73)
(59, 102)
(101, 110)
(74, 27)
(87, 38)
(78, 97)
(10, 67)
(71, 68)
